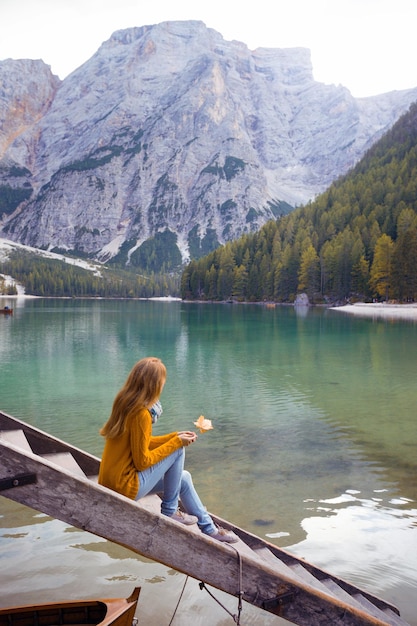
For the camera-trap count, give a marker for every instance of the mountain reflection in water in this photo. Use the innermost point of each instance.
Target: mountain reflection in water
(313, 446)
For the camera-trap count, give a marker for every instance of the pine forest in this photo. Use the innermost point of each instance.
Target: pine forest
(356, 241)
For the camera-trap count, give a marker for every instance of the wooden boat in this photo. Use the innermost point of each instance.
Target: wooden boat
(107, 612)
(60, 480)
(6, 311)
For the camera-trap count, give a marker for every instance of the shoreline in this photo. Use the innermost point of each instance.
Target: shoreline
(380, 310)
(373, 310)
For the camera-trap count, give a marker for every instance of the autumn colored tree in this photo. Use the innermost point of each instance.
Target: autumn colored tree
(380, 276)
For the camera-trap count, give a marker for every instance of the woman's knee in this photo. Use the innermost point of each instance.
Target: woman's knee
(177, 457)
(186, 480)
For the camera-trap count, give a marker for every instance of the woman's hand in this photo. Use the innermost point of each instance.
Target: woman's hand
(187, 437)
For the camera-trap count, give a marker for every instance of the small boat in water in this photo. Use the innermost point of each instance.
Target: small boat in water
(6, 311)
(115, 612)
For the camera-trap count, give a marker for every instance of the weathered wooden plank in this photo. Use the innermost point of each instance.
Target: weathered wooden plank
(321, 575)
(17, 437)
(42, 443)
(65, 460)
(83, 504)
(393, 618)
(356, 600)
(266, 554)
(308, 577)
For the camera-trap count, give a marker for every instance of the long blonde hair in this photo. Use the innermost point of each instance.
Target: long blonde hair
(142, 388)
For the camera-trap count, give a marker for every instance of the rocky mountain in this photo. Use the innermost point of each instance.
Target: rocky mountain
(171, 140)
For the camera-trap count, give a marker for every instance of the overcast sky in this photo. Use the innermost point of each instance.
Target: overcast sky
(369, 46)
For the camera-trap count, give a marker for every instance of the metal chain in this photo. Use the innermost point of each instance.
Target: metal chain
(235, 617)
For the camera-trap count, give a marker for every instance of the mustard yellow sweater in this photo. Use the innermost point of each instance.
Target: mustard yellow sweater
(133, 451)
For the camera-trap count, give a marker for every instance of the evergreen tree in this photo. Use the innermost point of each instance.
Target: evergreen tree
(240, 283)
(404, 266)
(360, 278)
(309, 274)
(226, 270)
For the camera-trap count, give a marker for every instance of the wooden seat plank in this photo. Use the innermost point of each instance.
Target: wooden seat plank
(65, 460)
(16, 437)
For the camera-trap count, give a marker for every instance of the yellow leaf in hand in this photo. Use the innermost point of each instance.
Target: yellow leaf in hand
(203, 424)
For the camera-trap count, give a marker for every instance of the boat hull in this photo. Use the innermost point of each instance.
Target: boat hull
(103, 612)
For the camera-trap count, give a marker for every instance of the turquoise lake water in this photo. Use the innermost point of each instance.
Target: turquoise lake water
(314, 443)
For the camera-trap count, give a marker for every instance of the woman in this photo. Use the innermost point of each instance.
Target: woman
(136, 463)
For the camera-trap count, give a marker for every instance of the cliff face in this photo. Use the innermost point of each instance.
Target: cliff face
(27, 89)
(170, 134)
(26, 93)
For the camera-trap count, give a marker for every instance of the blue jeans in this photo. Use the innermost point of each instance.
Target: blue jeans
(169, 478)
